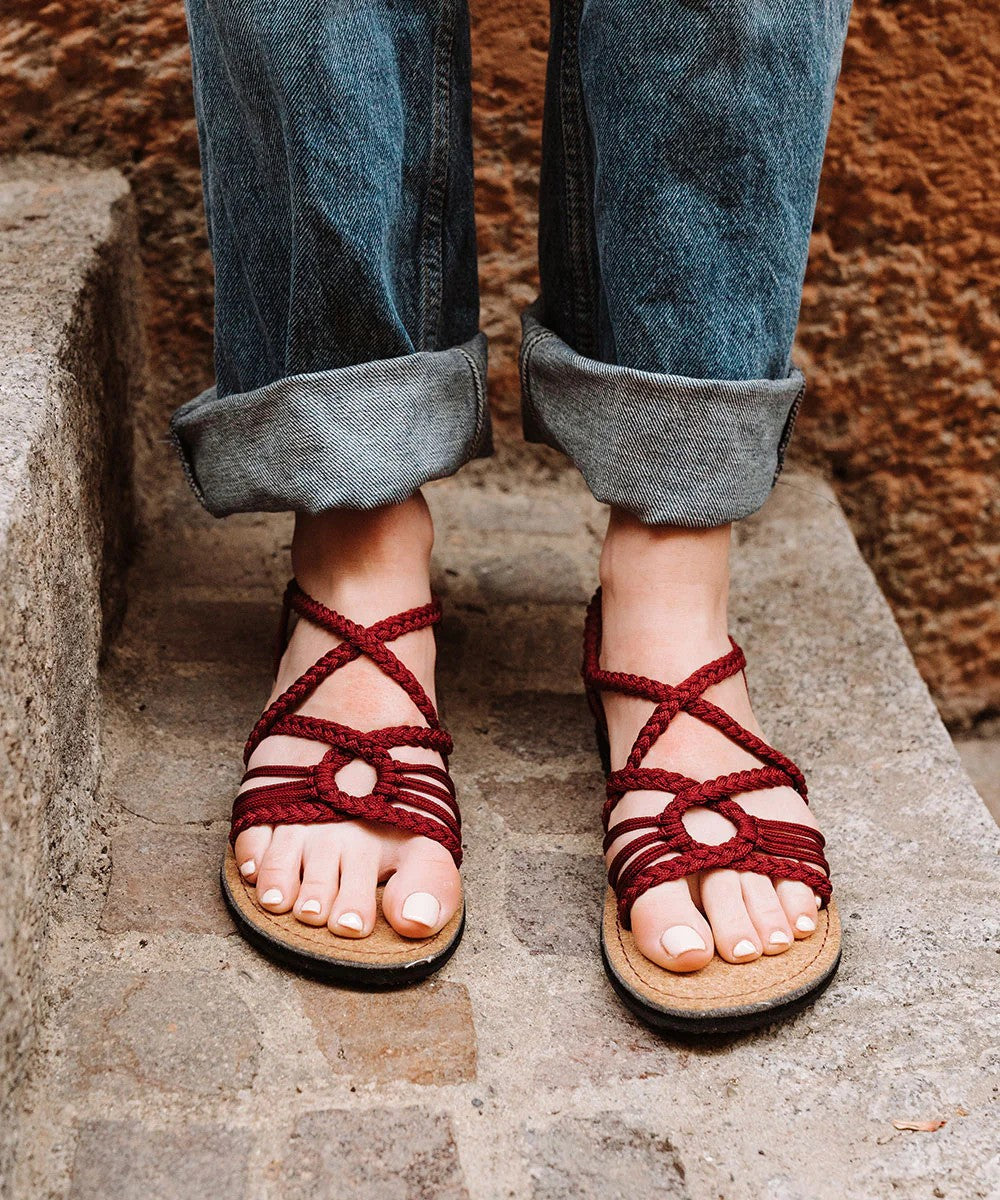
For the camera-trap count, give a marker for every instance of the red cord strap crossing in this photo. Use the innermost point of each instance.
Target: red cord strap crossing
(778, 849)
(416, 797)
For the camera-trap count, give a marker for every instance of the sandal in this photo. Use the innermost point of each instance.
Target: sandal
(309, 795)
(722, 997)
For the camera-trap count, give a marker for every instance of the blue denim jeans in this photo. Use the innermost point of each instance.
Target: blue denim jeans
(682, 147)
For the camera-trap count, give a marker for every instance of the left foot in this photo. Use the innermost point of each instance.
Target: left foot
(665, 615)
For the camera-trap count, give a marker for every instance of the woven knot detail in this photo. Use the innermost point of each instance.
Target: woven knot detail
(662, 849)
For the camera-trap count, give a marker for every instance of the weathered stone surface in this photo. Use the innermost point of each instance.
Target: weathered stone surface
(70, 367)
(169, 776)
(559, 803)
(542, 576)
(501, 647)
(165, 877)
(586, 1158)
(542, 726)
(570, 1095)
(130, 1162)
(166, 1032)
(554, 901)
(409, 1154)
(900, 331)
(424, 1035)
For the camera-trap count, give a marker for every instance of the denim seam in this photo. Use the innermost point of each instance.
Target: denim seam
(786, 433)
(186, 466)
(480, 398)
(433, 225)
(577, 227)
(527, 398)
(527, 346)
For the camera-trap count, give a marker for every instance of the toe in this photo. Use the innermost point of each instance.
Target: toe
(799, 905)
(320, 869)
(669, 930)
(425, 892)
(281, 869)
(353, 912)
(250, 848)
(736, 938)
(764, 908)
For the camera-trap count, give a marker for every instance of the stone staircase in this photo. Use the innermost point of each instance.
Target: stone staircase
(165, 1059)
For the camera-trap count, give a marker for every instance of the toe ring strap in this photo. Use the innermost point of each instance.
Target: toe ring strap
(416, 797)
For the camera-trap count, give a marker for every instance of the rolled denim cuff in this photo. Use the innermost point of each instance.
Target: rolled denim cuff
(668, 449)
(353, 437)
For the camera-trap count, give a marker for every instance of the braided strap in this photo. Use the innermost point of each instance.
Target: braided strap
(778, 849)
(415, 797)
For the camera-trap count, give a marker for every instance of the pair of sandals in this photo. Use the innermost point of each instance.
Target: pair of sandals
(420, 799)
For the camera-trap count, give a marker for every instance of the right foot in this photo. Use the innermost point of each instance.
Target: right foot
(367, 566)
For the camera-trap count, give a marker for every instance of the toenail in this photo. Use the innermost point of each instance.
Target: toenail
(805, 924)
(248, 867)
(422, 909)
(271, 896)
(743, 949)
(819, 902)
(351, 920)
(311, 906)
(780, 938)
(679, 939)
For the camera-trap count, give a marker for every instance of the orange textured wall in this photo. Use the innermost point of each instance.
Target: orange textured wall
(900, 330)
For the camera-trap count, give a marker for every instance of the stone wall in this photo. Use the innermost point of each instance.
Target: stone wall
(900, 332)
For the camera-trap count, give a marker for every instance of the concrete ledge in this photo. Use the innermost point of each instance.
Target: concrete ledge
(70, 360)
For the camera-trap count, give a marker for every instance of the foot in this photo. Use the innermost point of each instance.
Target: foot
(665, 597)
(367, 566)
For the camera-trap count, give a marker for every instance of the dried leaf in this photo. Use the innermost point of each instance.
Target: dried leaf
(920, 1126)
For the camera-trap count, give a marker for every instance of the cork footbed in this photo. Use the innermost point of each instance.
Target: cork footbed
(721, 997)
(383, 959)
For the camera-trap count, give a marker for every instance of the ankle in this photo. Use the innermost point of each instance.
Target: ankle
(366, 563)
(665, 593)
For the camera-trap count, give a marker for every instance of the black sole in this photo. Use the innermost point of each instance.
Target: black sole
(693, 1026)
(344, 974)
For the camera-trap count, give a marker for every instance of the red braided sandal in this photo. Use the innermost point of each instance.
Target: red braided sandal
(416, 797)
(721, 997)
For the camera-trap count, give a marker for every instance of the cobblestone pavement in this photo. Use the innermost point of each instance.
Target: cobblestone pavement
(178, 1064)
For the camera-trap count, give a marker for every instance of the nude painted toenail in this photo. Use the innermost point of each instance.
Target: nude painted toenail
(271, 896)
(679, 939)
(311, 906)
(780, 938)
(743, 949)
(805, 924)
(351, 921)
(422, 909)
(248, 867)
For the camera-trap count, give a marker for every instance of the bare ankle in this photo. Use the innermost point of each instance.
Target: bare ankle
(377, 559)
(656, 575)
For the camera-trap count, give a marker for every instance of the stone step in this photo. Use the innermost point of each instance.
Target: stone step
(516, 1072)
(174, 1062)
(70, 363)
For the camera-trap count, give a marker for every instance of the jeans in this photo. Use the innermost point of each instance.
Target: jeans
(682, 147)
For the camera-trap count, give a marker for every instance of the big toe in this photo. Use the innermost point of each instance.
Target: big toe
(669, 930)
(250, 848)
(425, 891)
